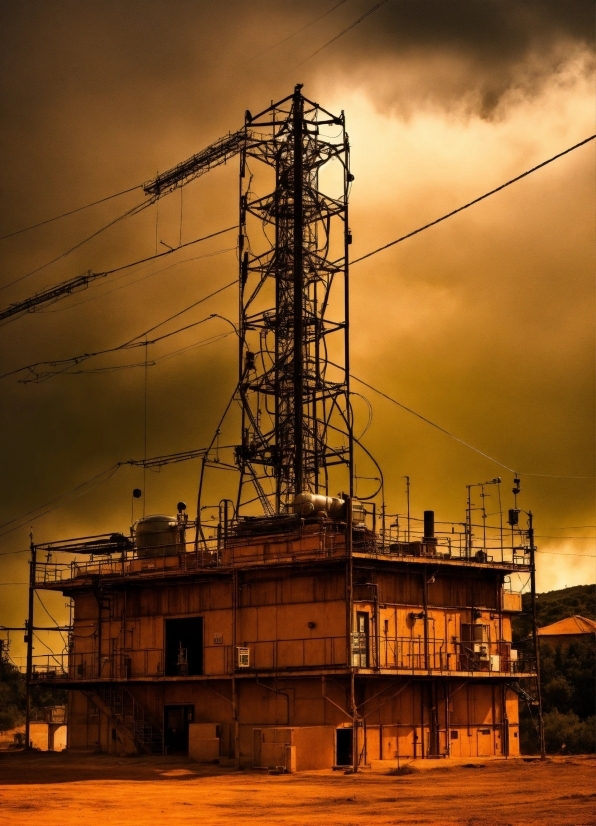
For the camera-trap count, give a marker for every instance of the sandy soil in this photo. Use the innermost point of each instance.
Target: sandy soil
(68, 789)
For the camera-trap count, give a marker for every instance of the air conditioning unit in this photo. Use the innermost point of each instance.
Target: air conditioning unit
(481, 649)
(242, 657)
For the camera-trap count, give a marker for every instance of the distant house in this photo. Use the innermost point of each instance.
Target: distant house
(568, 630)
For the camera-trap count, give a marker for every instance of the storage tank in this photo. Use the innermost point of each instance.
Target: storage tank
(157, 535)
(309, 504)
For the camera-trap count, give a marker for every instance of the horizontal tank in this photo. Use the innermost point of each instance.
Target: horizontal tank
(310, 504)
(157, 535)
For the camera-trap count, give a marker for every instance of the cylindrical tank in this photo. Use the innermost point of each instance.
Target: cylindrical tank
(309, 504)
(306, 504)
(157, 535)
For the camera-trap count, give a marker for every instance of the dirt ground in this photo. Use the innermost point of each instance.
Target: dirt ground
(72, 789)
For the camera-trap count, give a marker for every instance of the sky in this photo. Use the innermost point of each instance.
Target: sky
(483, 324)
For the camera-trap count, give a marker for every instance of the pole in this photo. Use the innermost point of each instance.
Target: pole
(298, 220)
(535, 632)
(29, 674)
(407, 478)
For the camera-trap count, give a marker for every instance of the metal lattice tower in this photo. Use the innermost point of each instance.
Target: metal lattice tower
(293, 251)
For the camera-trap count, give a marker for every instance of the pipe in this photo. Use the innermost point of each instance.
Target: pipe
(429, 524)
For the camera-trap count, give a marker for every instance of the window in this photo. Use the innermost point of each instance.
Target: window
(184, 647)
(474, 633)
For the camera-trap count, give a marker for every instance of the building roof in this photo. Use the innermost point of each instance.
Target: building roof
(568, 627)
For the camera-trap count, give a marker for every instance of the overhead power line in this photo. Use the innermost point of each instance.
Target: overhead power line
(298, 31)
(139, 340)
(70, 212)
(81, 282)
(456, 438)
(344, 31)
(471, 203)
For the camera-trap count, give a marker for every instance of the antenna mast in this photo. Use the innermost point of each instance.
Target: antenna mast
(294, 358)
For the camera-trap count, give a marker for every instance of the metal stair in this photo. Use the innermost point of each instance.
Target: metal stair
(129, 715)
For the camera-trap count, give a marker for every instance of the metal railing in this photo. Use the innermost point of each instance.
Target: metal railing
(99, 557)
(405, 654)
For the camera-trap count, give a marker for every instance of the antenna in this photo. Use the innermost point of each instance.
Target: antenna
(293, 252)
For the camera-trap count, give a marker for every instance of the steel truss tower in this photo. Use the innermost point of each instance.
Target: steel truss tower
(294, 310)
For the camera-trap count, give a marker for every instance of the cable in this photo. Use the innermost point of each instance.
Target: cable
(290, 36)
(457, 439)
(52, 294)
(475, 201)
(71, 212)
(133, 342)
(133, 211)
(341, 34)
(23, 519)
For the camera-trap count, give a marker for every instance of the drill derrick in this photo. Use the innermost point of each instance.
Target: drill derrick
(293, 244)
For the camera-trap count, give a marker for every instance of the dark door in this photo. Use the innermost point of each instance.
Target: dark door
(184, 646)
(343, 747)
(176, 721)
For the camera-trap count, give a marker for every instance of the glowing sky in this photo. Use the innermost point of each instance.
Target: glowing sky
(484, 324)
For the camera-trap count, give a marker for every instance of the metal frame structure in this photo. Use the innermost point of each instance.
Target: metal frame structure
(293, 251)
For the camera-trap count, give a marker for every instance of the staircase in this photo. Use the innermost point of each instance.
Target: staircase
(128, 715)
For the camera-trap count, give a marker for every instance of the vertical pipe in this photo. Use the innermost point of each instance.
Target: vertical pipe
(425, 619)
(298, 228)
(29, 674)
(535, 632)
(234, 686)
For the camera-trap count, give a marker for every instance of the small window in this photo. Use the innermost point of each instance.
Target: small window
(454, 735)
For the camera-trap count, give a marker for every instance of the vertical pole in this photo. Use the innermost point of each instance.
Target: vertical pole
(234, 654)
(298, 220)
(535, 632)
(407, 478)
(29, 674)
(347, 241)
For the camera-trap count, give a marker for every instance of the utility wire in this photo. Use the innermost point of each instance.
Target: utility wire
(142, 205)
(79, 282)
(471, 203)
(133, 342)
(71, 212)
(24, 519)
(298, 31)
(456, 438)
(341, 34)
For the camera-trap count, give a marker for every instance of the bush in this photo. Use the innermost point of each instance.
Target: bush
(8, 720)
(567, 734)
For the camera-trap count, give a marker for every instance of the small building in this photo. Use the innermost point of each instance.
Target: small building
(568, 630)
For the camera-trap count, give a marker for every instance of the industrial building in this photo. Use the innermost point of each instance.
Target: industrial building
(309, 629)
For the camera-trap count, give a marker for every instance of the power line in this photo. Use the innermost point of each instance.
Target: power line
(298, 31)
(142, 205)
(79, 282)
(456, 438)
(138, 280)
(133, 342)
(341, 34)
(25, 518)
(70, 212)
(475, 201)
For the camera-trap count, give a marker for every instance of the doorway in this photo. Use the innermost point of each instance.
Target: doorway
(344, 737)
(184, 647)
(176, 722)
